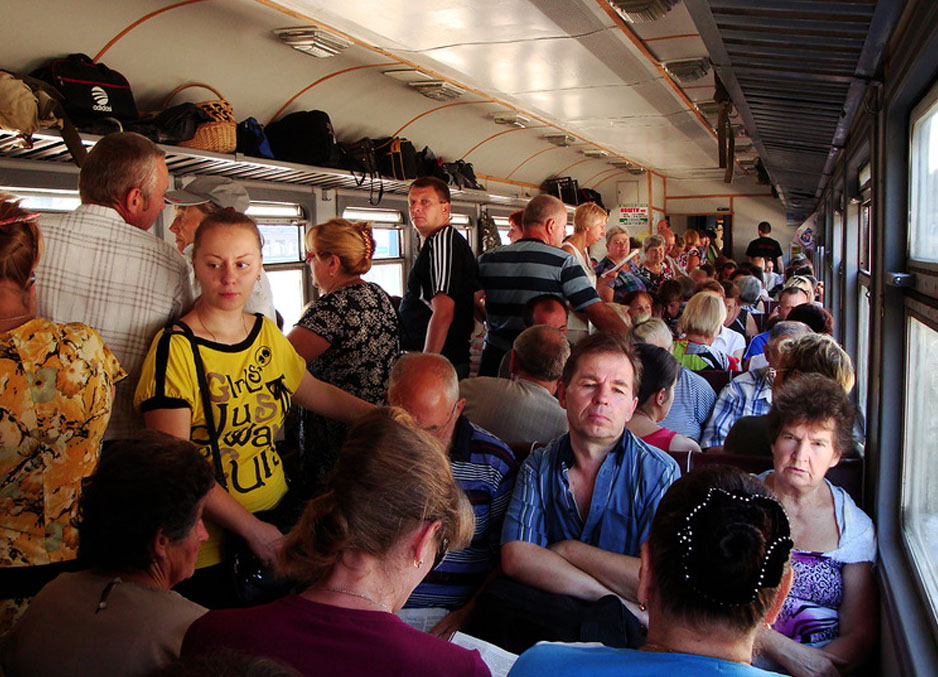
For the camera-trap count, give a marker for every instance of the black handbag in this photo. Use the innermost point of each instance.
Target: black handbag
(397, 158)
(252, 581)
(90, 90)
(359, 158)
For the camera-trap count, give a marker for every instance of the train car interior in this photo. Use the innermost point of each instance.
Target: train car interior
(813, 115)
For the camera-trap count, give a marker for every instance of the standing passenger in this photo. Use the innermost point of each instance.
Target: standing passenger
(100, 267)
(437, 309)
(201, 197)
(589, 226)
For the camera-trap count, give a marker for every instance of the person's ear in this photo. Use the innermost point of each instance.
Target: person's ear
(562, 394)
(160, 544)
(424, 543)
(460, 405)
(661, 397)
(783, 589)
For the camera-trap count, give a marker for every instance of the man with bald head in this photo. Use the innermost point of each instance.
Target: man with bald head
(522, 408)
(532, 266)
(426, 386)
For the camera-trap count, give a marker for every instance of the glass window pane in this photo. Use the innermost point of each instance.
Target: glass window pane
(40, 200)
(287, 289)
(282, 244)
(503, 236)
(865, 237)
(388, 276)
(863, 346)
(923, 229)
(387, 243)
(920, 463)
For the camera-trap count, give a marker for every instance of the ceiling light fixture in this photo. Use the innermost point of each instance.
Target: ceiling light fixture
(312, 40)
(642, 11)
(438, 90)
(709, 108)
(688, 70)
(622, 164)
(560, 139)
(515, 119)
(595, 153)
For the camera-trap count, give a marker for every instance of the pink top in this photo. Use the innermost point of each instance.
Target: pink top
(661, 438)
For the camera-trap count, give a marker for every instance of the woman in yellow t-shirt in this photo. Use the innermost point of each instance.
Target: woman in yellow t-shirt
(250, 373)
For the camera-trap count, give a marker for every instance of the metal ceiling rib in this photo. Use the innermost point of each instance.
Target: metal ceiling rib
(796, 70)
(49, 147)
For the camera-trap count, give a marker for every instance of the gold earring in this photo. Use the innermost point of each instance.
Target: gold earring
(642, 607)
(418, 563)
(258, 277)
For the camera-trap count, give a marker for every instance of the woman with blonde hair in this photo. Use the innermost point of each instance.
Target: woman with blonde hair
(349, 336)
(392, 511)
(700, 324)
(56, 392)
(589, 226)
(224, 379)
(690, 258)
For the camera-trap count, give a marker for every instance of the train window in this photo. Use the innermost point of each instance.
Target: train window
(923, 184)
(282, 225)
(920, 499)
(865, 237)
(45, 200)
(863, 346)
(387, 269)
(463, 223)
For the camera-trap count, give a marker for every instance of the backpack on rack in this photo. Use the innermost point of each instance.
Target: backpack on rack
(590, 195)
(252, 140)
(462, 175)
(429, 164)
(304, 137)
(564, 187)
(90, 91)
(359, 158)
(397, 158)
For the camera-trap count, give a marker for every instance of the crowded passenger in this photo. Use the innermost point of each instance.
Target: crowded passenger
(437, 308)
(654, 269)
(700, 324)
(100, 266)
(201, 197)
(392, 512)
(693, 396)
(56, 395)
(483, 466)
(828, 624)
(655, 396)
(750, 393)
(616, 271)
(690, 259)
(788, 299)
(714, 570)
(523, 407)
(542, 309)
(515, 230)
(224, 379)
(581, 508)
(750, 294)
(589, 227)
(641, 305)
(139, 523)
(729, 341)
(349, 336)
(765, 247)
(533, 266)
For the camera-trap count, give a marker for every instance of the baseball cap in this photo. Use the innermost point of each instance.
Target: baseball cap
(219, 190)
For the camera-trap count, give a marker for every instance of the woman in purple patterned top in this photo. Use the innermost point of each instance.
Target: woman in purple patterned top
(828, 624)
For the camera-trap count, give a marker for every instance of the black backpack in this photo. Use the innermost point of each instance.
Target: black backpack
(397, 158)
(304, 137)
(91, 91)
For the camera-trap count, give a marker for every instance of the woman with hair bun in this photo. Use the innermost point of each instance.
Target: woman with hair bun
(349, 336)
(713, 571)
(56, 392)
(391, 512)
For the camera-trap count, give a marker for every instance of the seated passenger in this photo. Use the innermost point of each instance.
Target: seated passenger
(750, 292)
(788, 300)
(56, 395)
(583, 504)
(425, 385)
(544, 309)
(247, 372)
(392, 512)
(700, 324)
(523, 408)
(693, 396)
(714, 570)
(749, 394)
(349, 336)
(139, 528)
(641, 305)
(613, 286)
(670, 295)
(659, 373)
(654, 269)
(727, 341)
(828, 623)
(202, 196)
(815, 316)
(808, 354)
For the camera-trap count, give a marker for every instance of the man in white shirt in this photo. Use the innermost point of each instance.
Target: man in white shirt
(100, 266)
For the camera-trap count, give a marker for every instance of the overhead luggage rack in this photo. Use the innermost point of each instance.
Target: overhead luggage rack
(48, 146)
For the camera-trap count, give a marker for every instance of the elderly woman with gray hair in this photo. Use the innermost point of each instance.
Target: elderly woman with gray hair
(654, 269)
(615, 272)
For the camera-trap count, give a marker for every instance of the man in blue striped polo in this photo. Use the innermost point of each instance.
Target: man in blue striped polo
(532, 266)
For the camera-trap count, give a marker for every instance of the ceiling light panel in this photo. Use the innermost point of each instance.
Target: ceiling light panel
(642, 11)
(312, 40)
(560, 139)
(438, 90)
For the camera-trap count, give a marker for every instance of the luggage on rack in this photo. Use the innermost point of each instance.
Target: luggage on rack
(304, 137)
(564, 187)
(397, 158)
(90, 91)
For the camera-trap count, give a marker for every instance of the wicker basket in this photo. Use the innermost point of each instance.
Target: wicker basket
(219, 135)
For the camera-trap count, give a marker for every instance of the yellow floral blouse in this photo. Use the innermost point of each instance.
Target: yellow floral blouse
(55, 402)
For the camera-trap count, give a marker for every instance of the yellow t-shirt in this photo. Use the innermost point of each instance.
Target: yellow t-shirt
(251, 385)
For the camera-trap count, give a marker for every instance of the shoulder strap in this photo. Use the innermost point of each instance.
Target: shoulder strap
(206, 400)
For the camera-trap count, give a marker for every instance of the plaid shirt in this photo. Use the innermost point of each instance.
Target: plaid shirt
(120, 280)
(747, 395)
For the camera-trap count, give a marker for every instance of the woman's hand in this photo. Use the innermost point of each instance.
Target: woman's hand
(265, 541)
(801, 660)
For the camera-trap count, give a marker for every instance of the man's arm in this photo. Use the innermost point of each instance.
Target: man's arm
(443, 308)
(546, 570)
(618, 573)
(605, 318)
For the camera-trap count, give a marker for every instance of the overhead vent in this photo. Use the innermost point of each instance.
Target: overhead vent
(312, 40)
(709, 108)
(595, 153)
(688, 70)
(513, 119)
(637, 171)
(622, 164)
(642, 11)
(438, 90)
(560, 139)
